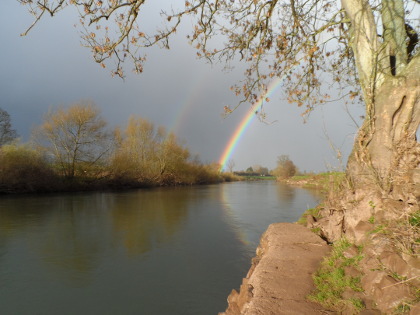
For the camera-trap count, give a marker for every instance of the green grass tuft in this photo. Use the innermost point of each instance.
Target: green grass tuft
(315, 212)
(331, 280)
(414, 219)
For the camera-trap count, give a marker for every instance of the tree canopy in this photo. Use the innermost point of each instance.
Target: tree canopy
(306, 42)
(285, 167)
(76, 137)
(149, 153)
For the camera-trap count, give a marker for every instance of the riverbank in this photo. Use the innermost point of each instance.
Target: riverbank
(323, 181)
(52, 183)
(372, 266)
(279, 279)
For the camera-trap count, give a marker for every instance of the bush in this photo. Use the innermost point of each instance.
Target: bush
(22, 169)
(285, 167)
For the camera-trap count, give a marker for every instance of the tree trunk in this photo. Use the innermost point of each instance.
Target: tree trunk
(386, 153)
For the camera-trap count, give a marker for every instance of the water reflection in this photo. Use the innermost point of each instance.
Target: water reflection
(249, 207)
(316, 193)
(72, 240)
(231, 218)
(285, 192)
(71, 227)
(60, 230)
(146, 220)
(161, 251)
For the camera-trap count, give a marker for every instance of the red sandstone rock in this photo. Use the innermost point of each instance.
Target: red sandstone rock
(280, 278)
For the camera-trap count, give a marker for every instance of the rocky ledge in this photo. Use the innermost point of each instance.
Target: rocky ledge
(280, 277)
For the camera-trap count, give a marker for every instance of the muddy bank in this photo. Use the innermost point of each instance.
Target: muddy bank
(280, 277)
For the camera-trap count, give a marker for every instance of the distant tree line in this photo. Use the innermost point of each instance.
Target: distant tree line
(74, 149)
(285, 168)
(256, 170)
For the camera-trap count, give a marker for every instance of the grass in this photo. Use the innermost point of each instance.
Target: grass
(405, 306)
(331, 280)
(325, 181)
(414, 219)
(315, 212)
(404, 233)
(402, 308)
(381, 228)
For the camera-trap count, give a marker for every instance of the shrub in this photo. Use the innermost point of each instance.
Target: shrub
(23, 169)
(285, 167)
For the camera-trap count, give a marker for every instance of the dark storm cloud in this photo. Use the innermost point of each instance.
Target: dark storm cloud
(49, 67)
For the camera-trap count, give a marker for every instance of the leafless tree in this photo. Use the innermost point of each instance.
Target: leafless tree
(285, 167)
(76, 137)
(7, 134)
(230, 165)
(148, 154)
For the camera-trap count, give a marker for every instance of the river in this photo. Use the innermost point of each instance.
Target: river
(177, 251)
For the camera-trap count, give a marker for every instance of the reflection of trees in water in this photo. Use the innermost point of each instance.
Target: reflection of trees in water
(316, 193)
(288, 193)
(3, 250)
(17, 214)
(12, 222)
(71, 233)
(73, 239)
(62, 229)
(149, 218)
(285, 192)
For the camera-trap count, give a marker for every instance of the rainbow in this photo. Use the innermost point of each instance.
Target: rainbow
(241, 128)
(187, 104)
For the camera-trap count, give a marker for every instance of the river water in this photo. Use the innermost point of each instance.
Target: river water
(176, 251)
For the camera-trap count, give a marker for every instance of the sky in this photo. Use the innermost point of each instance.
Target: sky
(49, 67)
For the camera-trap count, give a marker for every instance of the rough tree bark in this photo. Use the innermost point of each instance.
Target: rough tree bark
(386, 152)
